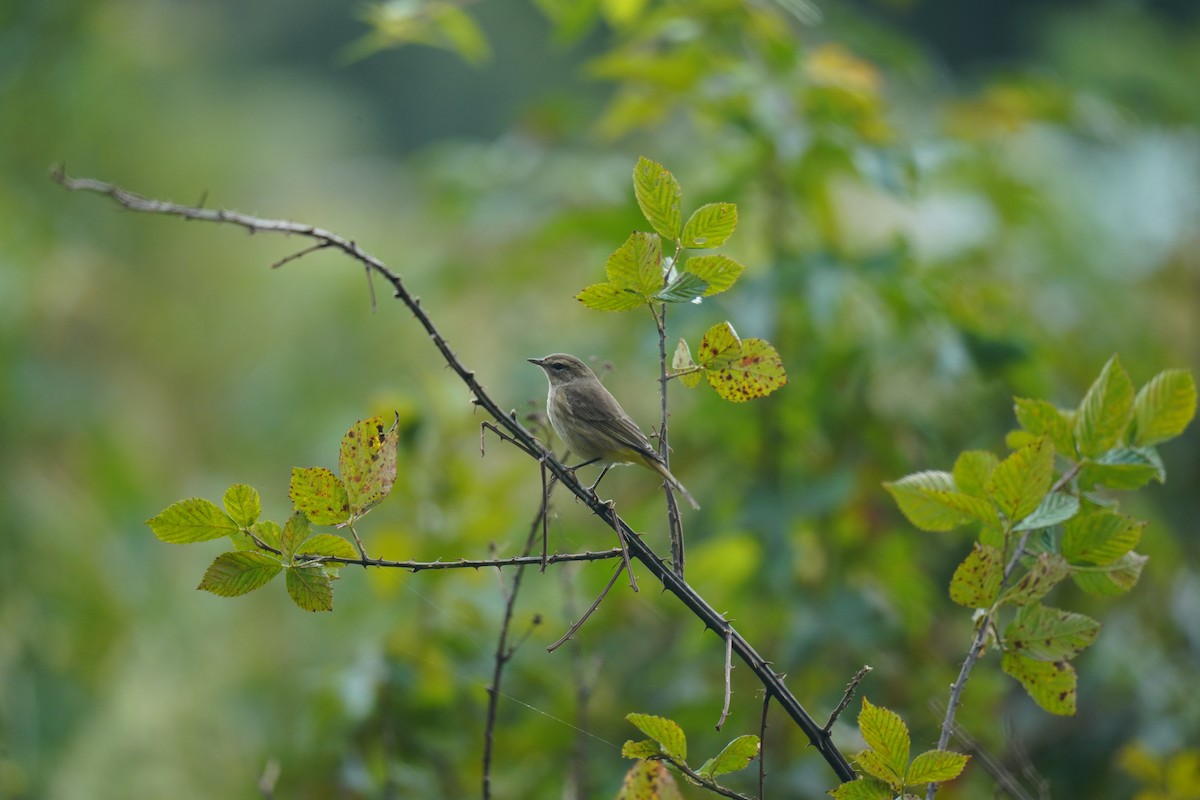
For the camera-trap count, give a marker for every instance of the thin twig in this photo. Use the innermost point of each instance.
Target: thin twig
(762, 747)
(700, 780)
(616, 524)
(504, 652)
(590, 609)
(462, 563)
(674, 519)
(728, 681)
(848, 695)
(773, 683)
(299, 254)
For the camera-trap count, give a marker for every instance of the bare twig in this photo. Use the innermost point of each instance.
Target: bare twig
(504, 652)
(848, 695)
(672, 582)
(268, 779)
(674, 519)
(728, 682)
(700, 780)
(590, 609)
(299, 254)
(762, 747)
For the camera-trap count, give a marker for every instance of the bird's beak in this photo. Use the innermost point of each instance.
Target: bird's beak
(539, 361)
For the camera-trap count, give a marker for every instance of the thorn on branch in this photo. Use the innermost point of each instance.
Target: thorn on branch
(847, 696)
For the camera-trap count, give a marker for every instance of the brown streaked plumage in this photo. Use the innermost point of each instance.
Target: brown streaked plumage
(592, 423)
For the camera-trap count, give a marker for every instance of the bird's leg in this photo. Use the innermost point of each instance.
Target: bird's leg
(587, 463)
(603, 472)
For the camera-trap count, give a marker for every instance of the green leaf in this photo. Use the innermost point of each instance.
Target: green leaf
(1164, 406)
(1020, 482)
(1055, 508)
(367, 461)
(682, 361)
(719, 347)
(1048, 570)
(734, 756)
(268, 532)
(239, 572)
(710, 225)
(719, 272)
(976, 582)
(320, 494)
(607, 297)
(659, 196)
(295, 531)
(1123, 468)
(877, 766)
(666, 732)
(862, 789)
(310, 587)
(886, 734)
(972, 470)
(646, 748)
(1049, 634)
(637, 265)
(1042, 418)
(921, 498)
(1106, 410)
(1100, 537)
(192, 520)
(1113, 579)
(756, 371)
(935, 766)
(1051, 684)
(242, 503)
(326, 544)
(649, 780)
(686, 287)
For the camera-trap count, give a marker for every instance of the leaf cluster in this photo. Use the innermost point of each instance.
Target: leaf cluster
(262, 549)
(667, 743)
(1047, 512)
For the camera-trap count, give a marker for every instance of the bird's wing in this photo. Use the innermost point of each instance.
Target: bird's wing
(607, 415)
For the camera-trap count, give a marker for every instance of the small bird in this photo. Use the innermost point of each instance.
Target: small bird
(592, 423)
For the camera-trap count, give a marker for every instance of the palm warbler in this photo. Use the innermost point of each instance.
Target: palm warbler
(592, 423)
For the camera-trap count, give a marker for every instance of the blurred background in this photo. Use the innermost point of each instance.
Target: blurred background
(942, 205)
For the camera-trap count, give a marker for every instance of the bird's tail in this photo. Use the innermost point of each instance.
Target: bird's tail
(674, 483)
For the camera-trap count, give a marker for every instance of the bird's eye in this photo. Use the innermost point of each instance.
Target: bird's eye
(557, 367)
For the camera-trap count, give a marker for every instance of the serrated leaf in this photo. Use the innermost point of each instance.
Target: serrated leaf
(367, 461)
(607, 297)
(1100, 537)
(734, 756)
(1020, 482)
(310, 588)
(192, 520)
(1114, 579)
(720, 272)
(972, 470)
(1042, 418)
(1164, 406)
(659, 196)
(686, 287)
(1055, 508)
(268, 532)
(239, 572)
(664, 731)
(878, 767)
(862, 789)
(1047, 571)
(1049, 634)
(637, 265)
(935, 766)
(243, 504)
(646, 748)
(719, 346)
(320, 495)
(1105, 411)
(886, 734)
(295, 531)
(326, 544)
(1051, 684)
(649, 780)
(976, 581)
(920, 497)
(710, 226)
(1123, 468)
(756, 371)
(682, 361)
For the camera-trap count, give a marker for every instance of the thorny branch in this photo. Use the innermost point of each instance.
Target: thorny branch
(773, 684)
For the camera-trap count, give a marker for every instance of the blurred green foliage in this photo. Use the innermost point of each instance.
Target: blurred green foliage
(921, 244)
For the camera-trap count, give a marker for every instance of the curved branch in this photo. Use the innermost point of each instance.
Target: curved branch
(772, 682)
